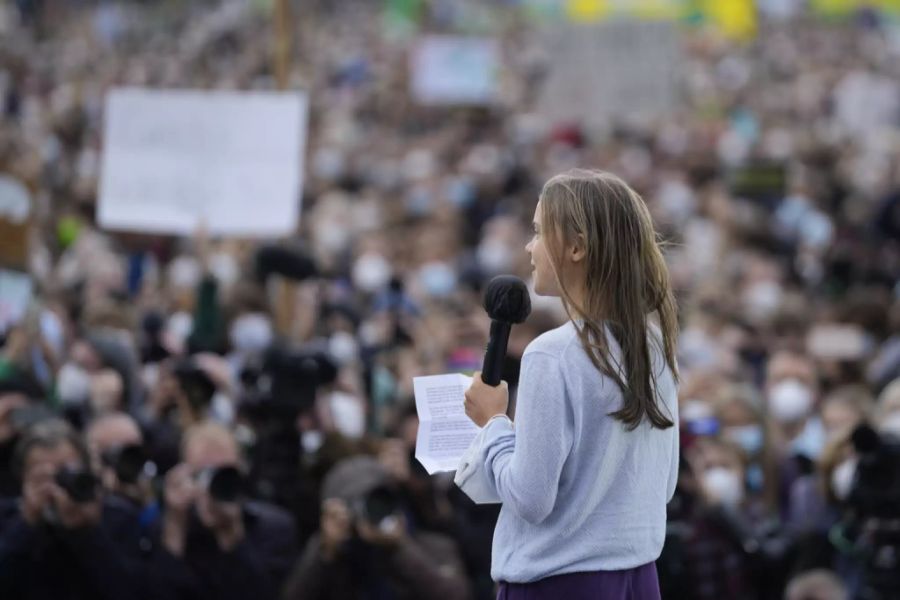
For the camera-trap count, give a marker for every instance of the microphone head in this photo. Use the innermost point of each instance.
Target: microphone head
(506, 299)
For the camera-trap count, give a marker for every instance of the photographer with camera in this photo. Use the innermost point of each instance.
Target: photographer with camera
(62, 540)
(184, 395)
(117, 452)
(221, 545)
(19, 409)
(365, 544)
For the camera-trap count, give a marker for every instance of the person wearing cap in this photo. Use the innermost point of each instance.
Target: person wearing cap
(365, 545)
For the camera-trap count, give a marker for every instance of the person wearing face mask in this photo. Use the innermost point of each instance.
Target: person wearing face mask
(251, 334)
(738, 414)
(798, 435)
(706, 555)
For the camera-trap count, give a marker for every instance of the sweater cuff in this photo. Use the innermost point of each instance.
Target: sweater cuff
(498, 426)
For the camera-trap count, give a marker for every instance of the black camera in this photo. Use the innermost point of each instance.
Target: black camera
(195, 383)
(876, 489)
(225, 484)
(285, 381)
(79, 484)
(127, 461)
(381, 508)
(873, 508)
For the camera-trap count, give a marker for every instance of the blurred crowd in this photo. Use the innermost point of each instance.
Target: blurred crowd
(224, 418)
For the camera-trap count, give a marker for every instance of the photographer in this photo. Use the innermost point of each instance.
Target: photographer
(219, 544)
(18, 409)
(183, 396)
(117, 451)
(62, 541)
(365, 545)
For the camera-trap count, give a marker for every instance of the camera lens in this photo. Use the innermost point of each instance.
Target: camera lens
(380, 504)
(225, 484)
(129, 463)
(79, 484)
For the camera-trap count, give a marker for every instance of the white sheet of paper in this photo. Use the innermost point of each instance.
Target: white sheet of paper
(445, 431)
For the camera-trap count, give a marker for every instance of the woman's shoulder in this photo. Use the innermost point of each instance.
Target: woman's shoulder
(554, 342)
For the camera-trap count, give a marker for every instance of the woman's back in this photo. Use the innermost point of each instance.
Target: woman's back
(581, 492)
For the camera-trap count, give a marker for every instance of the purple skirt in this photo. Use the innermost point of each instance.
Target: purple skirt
(639, 583)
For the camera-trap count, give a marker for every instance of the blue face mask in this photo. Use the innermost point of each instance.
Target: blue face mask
(748, 437)
(755, 478)
(811, 440)
(438, 279)
(460, 191)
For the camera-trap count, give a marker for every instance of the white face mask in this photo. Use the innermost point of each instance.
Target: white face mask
(842, 479)
(312, 440)
(251, 332)
(179, 326)
(73, 384)
(348, 414)
(185, 272)
(343, 347)
(225, 268)
(495, 257)
(724, 486)
(790, 400)
(371, 272)
(762, 299)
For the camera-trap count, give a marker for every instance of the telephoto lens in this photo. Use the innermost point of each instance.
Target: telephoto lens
(225, 484)
(127, 461)
(381, 508)
(79, 484)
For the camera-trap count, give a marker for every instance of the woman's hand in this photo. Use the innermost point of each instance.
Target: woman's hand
(484, 401)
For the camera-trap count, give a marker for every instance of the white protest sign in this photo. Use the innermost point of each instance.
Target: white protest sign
(620, 68)
(15, 296)
(175, 159)
(448, 69)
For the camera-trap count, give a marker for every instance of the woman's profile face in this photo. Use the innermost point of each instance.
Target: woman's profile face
(545, 283)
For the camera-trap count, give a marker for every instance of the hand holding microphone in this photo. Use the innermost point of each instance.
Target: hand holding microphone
(507, 302)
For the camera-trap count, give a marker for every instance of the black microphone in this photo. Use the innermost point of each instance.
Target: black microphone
(507, 302)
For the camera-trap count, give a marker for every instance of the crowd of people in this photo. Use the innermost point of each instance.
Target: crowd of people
(223, 418)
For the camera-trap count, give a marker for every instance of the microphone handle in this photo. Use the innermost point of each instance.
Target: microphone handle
(492, 370)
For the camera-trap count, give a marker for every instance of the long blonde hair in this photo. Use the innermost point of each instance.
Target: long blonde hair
(627, 282)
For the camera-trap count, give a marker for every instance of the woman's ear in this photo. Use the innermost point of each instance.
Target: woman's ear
(578, 250)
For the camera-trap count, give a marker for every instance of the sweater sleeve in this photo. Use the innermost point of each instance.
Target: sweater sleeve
(524, 461)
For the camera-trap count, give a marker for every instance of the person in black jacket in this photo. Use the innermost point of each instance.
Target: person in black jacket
(217, 544)
(61, 540)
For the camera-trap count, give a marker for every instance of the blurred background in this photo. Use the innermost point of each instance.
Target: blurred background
(231, 233)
